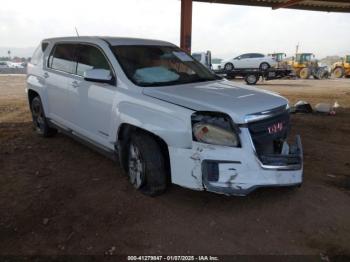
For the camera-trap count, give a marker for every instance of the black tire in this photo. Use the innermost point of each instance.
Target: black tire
(264, 66)
(40, 122)
(147, 168)
(251, 79)
(229, 67)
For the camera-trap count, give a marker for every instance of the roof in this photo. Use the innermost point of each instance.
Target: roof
(311, 5)
(111, 40)
(134, 41)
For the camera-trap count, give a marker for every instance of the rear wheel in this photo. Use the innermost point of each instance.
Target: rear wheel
(146, 165)
(229, 67)
(338, 72)
(305, 73)
(264, 66)
(39, 120)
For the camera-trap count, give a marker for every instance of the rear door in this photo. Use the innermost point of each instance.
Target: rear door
(61, 65)
(260, 58)
(91, 103)
(254, 60)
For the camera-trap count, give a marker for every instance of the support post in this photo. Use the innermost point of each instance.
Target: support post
(186, 25)
(287, 4)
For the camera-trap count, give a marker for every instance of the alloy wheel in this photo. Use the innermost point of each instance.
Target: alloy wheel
(136, 166)
(38, 116)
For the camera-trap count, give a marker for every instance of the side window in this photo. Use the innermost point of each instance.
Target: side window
(245, 56)
(259, 55)
(63, 58)
(38, 54)
(90, 57)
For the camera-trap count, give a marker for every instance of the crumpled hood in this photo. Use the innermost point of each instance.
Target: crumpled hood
(222, 96)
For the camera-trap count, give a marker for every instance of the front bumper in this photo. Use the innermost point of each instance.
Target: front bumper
(235, 171)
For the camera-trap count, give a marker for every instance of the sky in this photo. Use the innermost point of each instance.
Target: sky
(225, 30)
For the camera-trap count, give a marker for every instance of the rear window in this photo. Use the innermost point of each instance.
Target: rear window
(38, 54)
(63, 58)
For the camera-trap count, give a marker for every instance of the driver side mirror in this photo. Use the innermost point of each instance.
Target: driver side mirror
(238, 58)
(98, 75)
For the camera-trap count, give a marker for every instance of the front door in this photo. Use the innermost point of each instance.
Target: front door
(243, 62)
(91, 103)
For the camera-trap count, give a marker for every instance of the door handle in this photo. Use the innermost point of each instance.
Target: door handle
(46, 75)
(75, 84)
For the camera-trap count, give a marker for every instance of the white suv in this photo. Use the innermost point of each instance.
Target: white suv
(251, 61)
(163, 114)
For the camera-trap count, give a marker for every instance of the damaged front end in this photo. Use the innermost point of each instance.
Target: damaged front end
(269, 140)
(258, 154)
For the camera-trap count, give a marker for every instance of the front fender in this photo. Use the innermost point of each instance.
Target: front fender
(171, 123)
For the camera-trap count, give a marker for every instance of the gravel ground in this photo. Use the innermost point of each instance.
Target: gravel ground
(59, 197)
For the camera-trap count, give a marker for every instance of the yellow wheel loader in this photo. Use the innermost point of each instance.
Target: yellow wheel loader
(281, 60)
(341, 68)
(305, 65)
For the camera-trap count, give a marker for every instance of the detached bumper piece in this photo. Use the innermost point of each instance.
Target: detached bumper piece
(211, 179)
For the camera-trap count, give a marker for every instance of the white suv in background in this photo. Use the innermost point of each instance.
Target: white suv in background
(251, 61)
(165, 116)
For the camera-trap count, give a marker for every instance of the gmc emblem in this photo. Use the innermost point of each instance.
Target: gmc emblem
(275, 128)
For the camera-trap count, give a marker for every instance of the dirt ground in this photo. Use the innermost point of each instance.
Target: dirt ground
(59, 197)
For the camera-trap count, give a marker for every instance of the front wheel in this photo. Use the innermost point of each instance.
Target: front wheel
(39, 120)
(305, 73)
(146, 165)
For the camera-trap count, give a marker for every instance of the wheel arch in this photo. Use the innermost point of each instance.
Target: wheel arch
(264, 62)
(31, 95)
(124, 133)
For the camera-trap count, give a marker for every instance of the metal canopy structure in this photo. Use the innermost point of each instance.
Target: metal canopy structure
(342, 6)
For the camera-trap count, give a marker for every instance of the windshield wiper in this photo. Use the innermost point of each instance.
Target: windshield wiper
(180, 82)
(146, 84)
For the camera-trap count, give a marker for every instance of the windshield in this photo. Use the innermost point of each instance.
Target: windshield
(147, 65)
(303, 57)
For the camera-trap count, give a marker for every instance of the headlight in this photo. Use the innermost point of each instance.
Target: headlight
(215, 129)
